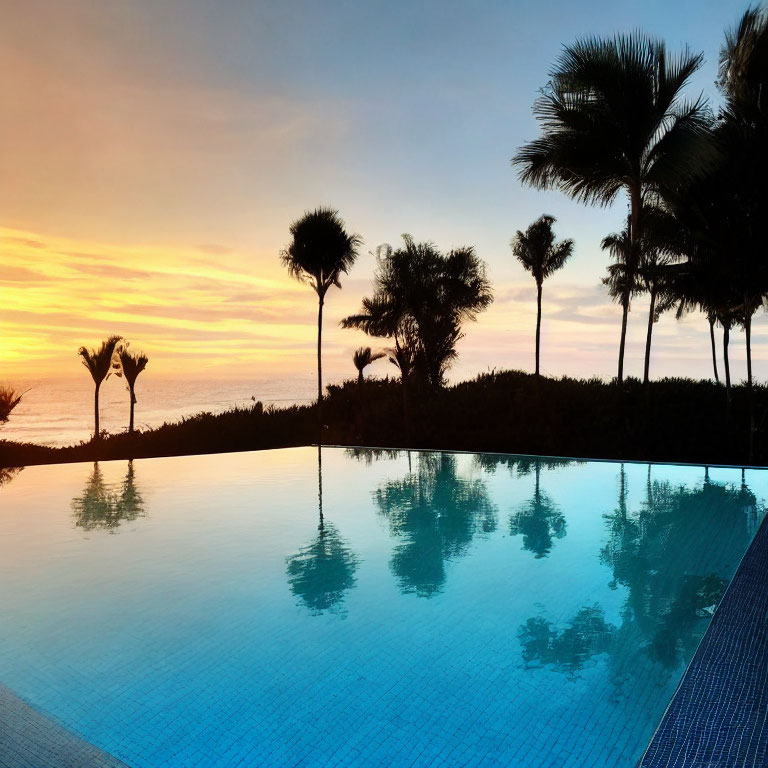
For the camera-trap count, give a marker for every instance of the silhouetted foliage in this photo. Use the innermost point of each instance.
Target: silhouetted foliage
(538, 252)
(507, 411)
(131, 365)
(9, 399)
(320, 251)
(421, 299)
(100, 364)
(613, 120)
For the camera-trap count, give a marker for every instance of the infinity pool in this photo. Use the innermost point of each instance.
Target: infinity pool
(386, 609)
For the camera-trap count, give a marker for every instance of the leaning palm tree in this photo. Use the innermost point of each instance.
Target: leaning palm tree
(362, 358)
(99, 363)
(132, 365)
(613, 120)
(320, 251)
(538, 252)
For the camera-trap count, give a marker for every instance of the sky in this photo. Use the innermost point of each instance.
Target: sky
(153, 155)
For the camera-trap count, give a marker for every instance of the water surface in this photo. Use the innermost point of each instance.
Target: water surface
(402, 609)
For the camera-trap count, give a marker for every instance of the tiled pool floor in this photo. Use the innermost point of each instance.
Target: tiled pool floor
(718, 717)
(28, 739)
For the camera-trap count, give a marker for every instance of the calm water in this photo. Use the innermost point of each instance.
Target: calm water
(446, 609)
(60, 412)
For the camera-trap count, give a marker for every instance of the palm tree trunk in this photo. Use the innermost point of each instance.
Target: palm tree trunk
(538, 325)
(648, 336)
(133, 401)
(320, 363)
(748, 331)
(96, 432)
(360, 380)
(712, 339)
(726, 365)
(625, 307)
(750, 394)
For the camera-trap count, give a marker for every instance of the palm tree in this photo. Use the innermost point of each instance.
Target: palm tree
(362, 358)
(9, 399)
(132, 365)
(622, 281)
(321, 250)
(99, 363)
(421, 299)
(538, 252)
(613, 120)
(743, 80)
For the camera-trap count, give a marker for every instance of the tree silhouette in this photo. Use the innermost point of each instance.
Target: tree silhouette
(362, 358)
(101, 507)
(320, 251)
(421, 299)
(538, 252)
(436, 514)
(100, 364)
(9, 399)
(613, 120)
(132, 365)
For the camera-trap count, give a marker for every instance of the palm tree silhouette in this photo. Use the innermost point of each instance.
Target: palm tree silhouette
(320, 251)
(421, 299)
(538, 252)
(9, 399)
(132, 365)
(362, 358)
(99, 363)
(622, 281)
(613, 120)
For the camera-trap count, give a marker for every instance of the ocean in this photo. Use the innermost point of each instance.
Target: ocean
(60, 412)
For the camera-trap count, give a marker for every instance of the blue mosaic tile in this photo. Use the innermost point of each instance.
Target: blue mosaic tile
(718, 717)
(28, 739)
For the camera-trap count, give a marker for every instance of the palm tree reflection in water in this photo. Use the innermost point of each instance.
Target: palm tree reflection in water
(435, 514)
(674, 557)
(321, 573)
(101, 507)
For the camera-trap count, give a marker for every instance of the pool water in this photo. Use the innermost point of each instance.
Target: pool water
(377, 609)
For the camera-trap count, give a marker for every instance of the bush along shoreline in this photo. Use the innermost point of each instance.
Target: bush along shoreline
(670, 420)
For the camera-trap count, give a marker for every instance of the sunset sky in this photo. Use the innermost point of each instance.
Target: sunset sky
(154, 154)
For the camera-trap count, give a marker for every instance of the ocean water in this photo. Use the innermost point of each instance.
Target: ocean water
(60, 412)
(358, 608)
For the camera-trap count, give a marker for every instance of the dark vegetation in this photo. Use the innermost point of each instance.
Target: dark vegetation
(669, 420)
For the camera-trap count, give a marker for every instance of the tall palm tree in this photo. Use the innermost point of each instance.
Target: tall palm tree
(613, 120)
(320, 251)
(743, 80)
(362, 358)
(538, 252)
(622, 280)
(100, 365)
(132, 365)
